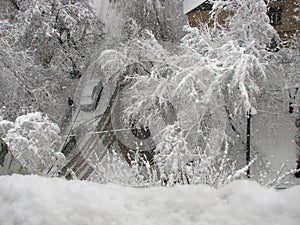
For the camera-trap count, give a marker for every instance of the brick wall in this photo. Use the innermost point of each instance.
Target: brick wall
(289, 25)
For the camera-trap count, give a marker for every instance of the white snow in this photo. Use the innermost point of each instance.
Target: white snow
(36, 200)
(102, 8)
(96, 4)
(189, 5)
(273, 136)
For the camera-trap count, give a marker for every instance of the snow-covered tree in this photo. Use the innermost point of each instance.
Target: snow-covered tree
(213, 81)
(163, 17)
(34, 140)
(291, 65)
(60, 33)
(13, 81)
(45, 46)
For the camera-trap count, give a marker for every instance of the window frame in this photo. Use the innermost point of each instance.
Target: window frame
(275, 15)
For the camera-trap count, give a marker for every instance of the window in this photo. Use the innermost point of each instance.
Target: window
(275, 15)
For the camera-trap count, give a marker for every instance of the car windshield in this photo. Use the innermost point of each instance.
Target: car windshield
(89, 87)
(86, 100)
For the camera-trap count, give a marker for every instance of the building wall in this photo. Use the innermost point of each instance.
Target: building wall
(289, 27)
(196, 18)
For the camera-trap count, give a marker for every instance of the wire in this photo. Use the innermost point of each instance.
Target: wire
(275, 113)
(100, 132)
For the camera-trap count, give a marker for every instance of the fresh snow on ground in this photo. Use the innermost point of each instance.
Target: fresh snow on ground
(273, 139)
(34, 200)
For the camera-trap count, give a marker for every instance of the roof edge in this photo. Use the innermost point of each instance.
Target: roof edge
(189, 5)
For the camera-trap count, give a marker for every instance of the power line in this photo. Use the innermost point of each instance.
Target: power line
(100, 132)
(275, 113)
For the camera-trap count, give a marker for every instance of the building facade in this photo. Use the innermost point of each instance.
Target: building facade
(281, 13)
(282, 16)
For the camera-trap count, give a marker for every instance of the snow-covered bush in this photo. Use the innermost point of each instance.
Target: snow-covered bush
(34, 140)
(116, 170)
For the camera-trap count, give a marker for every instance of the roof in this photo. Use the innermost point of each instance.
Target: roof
(189, 5)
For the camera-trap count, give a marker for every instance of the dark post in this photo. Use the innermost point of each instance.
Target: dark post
(291, 98)
(3, 151)
(248, 142)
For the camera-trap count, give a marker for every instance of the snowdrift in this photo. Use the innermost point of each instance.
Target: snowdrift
(36, 200)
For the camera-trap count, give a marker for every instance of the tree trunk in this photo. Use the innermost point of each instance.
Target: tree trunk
(3, 151)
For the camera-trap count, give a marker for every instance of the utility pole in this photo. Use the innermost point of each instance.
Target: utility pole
(292, 98)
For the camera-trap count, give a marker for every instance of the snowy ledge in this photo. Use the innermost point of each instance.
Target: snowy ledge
(36, 200)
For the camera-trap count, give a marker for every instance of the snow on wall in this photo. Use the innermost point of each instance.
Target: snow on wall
(46, 201)
(189, 5)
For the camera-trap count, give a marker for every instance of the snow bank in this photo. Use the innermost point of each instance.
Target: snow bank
(35, 200)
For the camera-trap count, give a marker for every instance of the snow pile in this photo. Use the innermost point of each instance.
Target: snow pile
(41, 201)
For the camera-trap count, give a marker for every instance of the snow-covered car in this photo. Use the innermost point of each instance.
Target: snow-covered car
(90, 95)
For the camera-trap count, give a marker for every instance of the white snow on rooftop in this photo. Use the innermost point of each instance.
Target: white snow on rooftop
(37, 200)
(189, 5)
